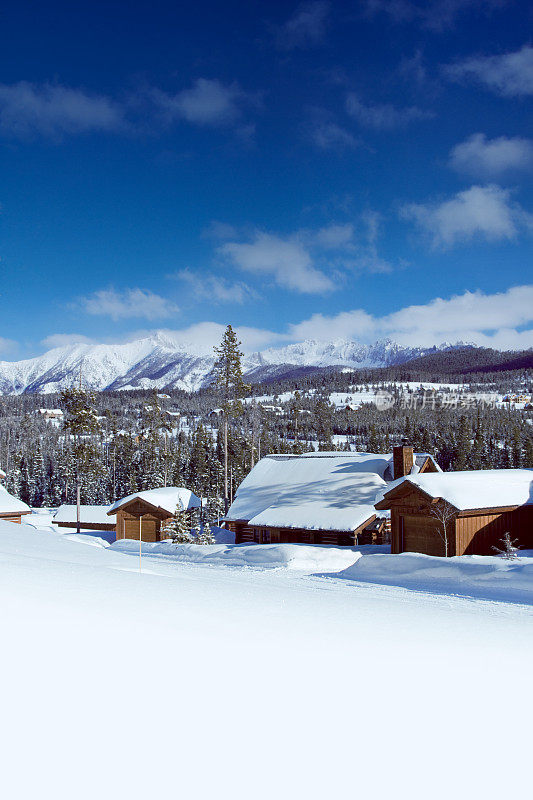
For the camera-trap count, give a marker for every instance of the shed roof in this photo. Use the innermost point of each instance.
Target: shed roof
(88, 514)
(167, 499)
(469, 489)
(12, 505)
(314, 491)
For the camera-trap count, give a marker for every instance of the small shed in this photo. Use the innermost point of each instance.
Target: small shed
(92, 518)
(477, 508)
(143, 514)
(11, 508)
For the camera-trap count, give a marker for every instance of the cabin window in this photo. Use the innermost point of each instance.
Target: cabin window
(265, 537)
(257, 535)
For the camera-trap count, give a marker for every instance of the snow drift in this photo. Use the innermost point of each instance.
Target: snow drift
(484, 577)
(308, 558)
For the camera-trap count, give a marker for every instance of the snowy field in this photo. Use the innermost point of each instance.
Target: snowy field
(225, 680)
(358, 395)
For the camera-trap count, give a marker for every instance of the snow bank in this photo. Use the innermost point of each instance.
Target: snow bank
(307, 558)
(87, 538)
(106, 668)
(40, 518)
(222, 536)
(95, 515)
(10, 504)
(483, 577)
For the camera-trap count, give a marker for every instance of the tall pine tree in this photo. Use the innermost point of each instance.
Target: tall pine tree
(229, 380)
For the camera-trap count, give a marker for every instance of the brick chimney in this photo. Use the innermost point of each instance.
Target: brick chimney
(403, 460)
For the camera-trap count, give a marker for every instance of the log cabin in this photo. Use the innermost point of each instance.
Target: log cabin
(92, 518)
(145, 513)
(318, 498)
(11, 508)
(476, 507)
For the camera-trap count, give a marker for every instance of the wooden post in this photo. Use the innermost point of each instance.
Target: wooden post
(140, 543)
(78, 510)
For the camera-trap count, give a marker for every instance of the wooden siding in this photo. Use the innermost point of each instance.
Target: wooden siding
(13, 517)
(88, 526)
(479, 533)
(264, 535)
(127, 527)
(420, 534)
(471, 533)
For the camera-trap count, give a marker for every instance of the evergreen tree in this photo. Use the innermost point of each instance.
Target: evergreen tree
(323, 421)
(229, 380)
(516, 448)
(204, 535)
(82, 425)
(463, 444)
(179, 527)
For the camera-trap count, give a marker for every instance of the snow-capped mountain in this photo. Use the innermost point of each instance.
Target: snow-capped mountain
(158, 361)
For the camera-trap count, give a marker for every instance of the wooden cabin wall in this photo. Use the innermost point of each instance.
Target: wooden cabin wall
(12, 518)
(265, 535)
(478, 534)
(471, 534)
(127, 527)
(89, 526)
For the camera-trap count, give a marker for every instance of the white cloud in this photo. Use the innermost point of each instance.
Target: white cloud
(357, 324)
(488, 320)
(129, 303)
(305, 28)
(334, 236)
(328, 135)
(490, 158)
(478, 212)
(51, 110)
(219, 230)
(207, 102)
(214, 288)
(65, 339)
(510, 74)
(287, 260)
(498, 320)
(383, 116)
(311, 261)
(203, 336)
(7, 345)
(435, 15)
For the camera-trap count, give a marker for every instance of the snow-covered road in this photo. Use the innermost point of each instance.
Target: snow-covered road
(214, 681)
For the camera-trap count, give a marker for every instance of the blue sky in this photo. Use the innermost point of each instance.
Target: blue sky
(317, 170)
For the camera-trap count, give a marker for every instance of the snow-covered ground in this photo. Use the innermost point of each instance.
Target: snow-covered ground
(200, 681)
(447, 393)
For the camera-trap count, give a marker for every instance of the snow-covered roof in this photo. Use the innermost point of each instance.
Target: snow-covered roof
(167, 499)
(315, 491)
(88, 514)
(10, 504)
(484, 488)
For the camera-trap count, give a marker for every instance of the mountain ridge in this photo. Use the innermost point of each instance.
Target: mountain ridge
(157, 361)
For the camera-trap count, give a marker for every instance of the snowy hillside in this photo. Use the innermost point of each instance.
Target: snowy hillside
(159, 361)
(221, 681)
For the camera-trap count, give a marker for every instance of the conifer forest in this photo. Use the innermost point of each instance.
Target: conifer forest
(122, 442)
